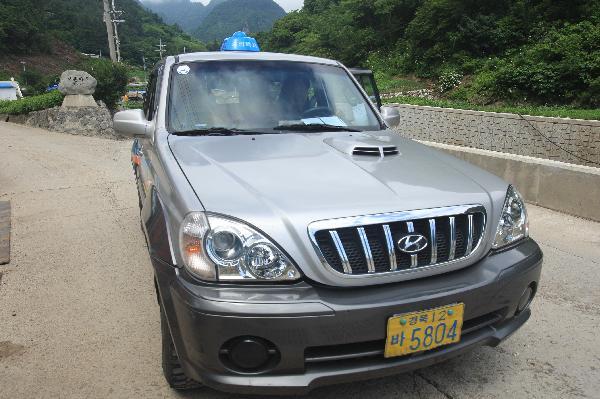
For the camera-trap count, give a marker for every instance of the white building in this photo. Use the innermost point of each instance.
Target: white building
(9, 90)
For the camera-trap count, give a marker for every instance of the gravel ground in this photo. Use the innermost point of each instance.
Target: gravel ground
(78, 316)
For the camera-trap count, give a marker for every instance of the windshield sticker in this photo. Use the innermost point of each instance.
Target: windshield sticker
(327, 120)
(311, 121)
(183, 69)
(333, 120)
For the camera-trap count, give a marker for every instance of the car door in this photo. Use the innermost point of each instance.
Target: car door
(142, 146)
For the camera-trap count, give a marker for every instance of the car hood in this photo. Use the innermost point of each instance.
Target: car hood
(281, 183)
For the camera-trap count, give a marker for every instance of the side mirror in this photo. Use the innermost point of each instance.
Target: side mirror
(390, 115)
(131, 123)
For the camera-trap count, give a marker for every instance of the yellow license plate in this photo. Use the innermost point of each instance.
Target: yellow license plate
(423, 330)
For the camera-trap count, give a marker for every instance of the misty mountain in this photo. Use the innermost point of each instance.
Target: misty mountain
(234, 15)
(185, 13)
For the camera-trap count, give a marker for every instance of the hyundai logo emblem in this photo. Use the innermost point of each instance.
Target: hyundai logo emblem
(412, 243)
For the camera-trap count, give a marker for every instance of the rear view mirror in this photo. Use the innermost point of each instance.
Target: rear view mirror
(390, 115)
(130, 123)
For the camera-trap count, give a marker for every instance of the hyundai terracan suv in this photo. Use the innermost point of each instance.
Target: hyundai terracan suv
(298, 241)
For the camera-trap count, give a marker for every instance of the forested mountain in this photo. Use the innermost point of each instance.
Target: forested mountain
(235, 15)
(185, 13)
(30, 26)
(544, 51)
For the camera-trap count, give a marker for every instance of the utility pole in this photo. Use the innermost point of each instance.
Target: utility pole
(161, 48)
(111, 20)
(116, 14)
(110, 32)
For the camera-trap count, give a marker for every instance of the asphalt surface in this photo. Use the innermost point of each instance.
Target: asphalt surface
(78, 316)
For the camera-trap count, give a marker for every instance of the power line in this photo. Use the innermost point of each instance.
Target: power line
(555, 144)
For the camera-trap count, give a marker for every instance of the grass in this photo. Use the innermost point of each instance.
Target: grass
(132, 105)
(551, 111)
(394, 84)
(136, 72)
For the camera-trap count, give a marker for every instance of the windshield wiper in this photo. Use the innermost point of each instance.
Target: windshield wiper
(216, 131)
(315, 127)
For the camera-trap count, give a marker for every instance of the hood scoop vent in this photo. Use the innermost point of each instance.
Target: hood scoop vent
(379, 151)
(363, 145)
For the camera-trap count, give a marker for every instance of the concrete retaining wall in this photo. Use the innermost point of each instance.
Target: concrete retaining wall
(563, 187)
(508, 133)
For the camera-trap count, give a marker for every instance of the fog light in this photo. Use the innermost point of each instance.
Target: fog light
(525, 299)
(249, 354)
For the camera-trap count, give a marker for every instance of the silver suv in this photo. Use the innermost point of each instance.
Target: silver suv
(298, 241)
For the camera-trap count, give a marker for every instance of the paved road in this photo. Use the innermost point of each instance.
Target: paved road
(78, 316)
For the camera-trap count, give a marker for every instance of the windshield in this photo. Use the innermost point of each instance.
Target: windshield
(263, 96)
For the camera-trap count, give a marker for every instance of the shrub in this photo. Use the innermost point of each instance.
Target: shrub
(479, 89)
(30, 104)
(562, 68)
(448, 80)
(112, 79)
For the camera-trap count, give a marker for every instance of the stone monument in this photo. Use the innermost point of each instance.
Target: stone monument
(78, 87)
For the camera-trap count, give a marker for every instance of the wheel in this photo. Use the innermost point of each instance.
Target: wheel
(170, 360)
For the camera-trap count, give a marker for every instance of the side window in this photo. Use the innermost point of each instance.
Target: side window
(368, 82)
(149, 99)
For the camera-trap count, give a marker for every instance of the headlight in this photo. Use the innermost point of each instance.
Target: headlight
(513, 223)
(218, 248)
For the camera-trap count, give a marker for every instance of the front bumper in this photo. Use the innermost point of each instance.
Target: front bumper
(326, 335)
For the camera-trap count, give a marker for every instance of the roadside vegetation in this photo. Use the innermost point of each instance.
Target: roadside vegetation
(537, 54)
(388, 83)
(112, 84)
(30, 104)
(533, 110)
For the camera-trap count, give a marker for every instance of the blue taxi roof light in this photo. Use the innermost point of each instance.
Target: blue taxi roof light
(240, 42)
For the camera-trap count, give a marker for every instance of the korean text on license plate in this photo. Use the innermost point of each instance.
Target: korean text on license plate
(423, 330)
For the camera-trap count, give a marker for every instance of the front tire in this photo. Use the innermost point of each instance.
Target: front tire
(171, 365)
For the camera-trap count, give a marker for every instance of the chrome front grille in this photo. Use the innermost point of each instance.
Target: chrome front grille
(370, 244)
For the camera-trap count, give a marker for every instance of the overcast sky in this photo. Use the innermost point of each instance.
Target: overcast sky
(287, 5)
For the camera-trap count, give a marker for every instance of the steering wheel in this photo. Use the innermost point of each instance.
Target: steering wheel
(316, 112)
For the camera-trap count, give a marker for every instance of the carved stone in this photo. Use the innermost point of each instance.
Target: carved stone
(77, 82)
(78, 87)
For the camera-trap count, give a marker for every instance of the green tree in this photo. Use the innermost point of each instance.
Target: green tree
(562, 67)
(112, 79)
(22, 27)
